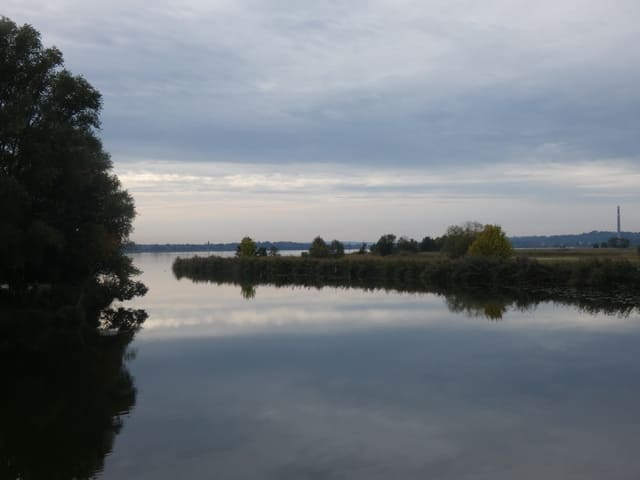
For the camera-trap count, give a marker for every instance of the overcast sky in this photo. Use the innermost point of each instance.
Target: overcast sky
(350, 119)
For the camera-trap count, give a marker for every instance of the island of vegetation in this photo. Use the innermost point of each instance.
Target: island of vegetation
(469, 259)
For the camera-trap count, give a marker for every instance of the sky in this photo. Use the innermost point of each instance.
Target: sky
(283, 120)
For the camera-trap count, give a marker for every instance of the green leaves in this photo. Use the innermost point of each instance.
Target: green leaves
(247, 248)
(458, 239)
(67, 216)
(493, 242)
(319, 248)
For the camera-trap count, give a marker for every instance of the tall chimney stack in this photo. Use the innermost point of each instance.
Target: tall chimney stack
(619, 234)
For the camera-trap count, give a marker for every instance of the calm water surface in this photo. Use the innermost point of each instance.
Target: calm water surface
(349, 384)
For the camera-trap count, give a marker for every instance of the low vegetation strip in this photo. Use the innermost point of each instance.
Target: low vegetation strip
(417, 273)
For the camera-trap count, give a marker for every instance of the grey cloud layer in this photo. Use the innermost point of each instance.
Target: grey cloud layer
(286, 119)
(357, 82)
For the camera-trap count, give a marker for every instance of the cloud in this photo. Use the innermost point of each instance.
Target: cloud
(441, 101)
(613, 176)
(355, 82)
(199, 201)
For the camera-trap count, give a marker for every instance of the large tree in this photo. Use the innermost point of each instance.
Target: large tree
(65, 216)
(491, 242)
(386, 245)
(458, 239)
(319, 248)
(429, 244)
(246, 248)
(336, 248)
(407, 245)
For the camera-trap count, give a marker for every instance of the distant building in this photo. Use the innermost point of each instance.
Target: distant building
(619, 231)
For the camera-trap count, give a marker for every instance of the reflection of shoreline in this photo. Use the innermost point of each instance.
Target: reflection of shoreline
(63, 400)
(181, 309)
(595, 286)
(491, 304)
(495, 303)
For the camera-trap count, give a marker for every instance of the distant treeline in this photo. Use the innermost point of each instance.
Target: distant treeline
(613, 281)
(583, 240)
(209, 247)
(220, 247)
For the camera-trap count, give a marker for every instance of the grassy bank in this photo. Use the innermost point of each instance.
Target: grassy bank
(578, 254)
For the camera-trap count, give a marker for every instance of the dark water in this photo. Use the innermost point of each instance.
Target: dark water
(347, 384)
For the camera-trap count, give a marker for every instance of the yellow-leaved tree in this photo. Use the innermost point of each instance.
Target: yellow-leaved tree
(491, 242)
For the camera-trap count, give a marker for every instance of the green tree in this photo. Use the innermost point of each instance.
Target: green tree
(65, 217)
(246, 248)
(428, 244)
(458, 239)
(493, 242)
(336, 248)
(386, 245)
(319, 248)
(408, 245)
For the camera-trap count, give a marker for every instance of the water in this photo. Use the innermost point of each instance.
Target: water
(349, 384)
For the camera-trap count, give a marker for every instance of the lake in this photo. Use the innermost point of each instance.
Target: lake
(296, 383)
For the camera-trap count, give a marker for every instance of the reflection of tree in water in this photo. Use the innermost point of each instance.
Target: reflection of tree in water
(494, 304)
(478, 285)
(62, 407)
(494, 311)
(248, 291)
(491, 307)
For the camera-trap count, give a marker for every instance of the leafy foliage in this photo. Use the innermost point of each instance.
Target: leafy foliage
(492, 241)
(429, 244)
(247, 248)
(65, 215)
(408, 245)
(386, 245)
(336, 248)
(458, 239)
(319, 248)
